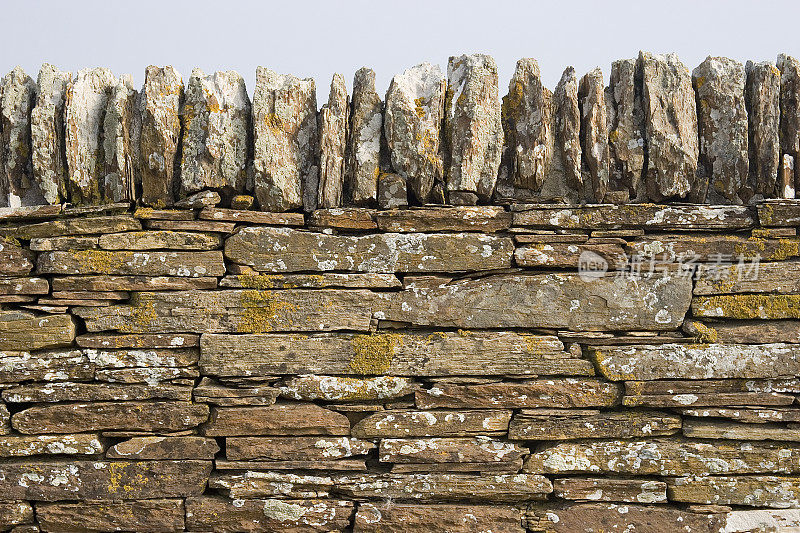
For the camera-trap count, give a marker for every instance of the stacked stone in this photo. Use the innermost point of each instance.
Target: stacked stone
(538, 368)
(726, 133)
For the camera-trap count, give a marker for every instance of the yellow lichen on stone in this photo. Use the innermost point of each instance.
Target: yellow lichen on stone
(373, 354)
(143, 312)
(256, 281)
(102, 261)
(704, 334)
(260, 310)
(749, 306)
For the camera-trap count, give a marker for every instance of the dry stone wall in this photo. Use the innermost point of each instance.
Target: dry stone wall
(225, 315)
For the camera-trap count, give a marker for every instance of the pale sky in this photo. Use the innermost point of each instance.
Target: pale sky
(317, 38)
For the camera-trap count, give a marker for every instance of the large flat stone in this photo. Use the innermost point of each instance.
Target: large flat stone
(23, 331)
(279, 419)
(702, 361)
(88, 225)
(333, 388)
(485, 219)
(747, 306)
(548, 424)
(399, 354)
(29, 445)
(295, 448)
(389, 424)
(94, 392)
(256, 484)
(287, 250)
(132, 283)
(160, 240)
(449, 450)
(142, 515)
(755, 491)
(144, 263)
(780, 277)
(158, 448)
(715, 249)
(611, 490)
(409, 518)
(66, 365)
(702, 429)
(601, 517)
(560, 301)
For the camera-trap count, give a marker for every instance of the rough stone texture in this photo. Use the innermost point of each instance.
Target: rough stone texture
(291, 516)
(23, 331)
(613, 490)
(17, 98)
(24, 446)
(285, 140)
(567, 131)
(762, 98)
(216, 124)
(594, 135)
(363, 153)
(408, 518)
(13, 513)
(566, 518)
(295, 448)
(143, 515)
(392, 191)
(670, 125)
(287, 250)
(412, 123)
(756, 491)
(484, 219)
(121, 131)
(550, 424)
(164, 448)
(626, 129)
(431, 424)
(790, 110)
(333, 125)
(47, 133)
(160, 108)
(723, 169)
(86, 101)
(472, 127)
(282, 419)
(14, 260)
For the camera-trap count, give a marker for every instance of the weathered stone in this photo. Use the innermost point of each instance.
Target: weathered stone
(156, 448)
(665, 393)
(407, 518)
(132, 283)
(290, 516)
(786, 185)
(93, 392)
(747, 306)
(567, 114)
(73, 226)
(160, 103)
(47, 133)
(449, 450)
(142, 515)
(294, 448)
(32, 212)
(347, 218)
(780, 213)
(5, 420)
(485, 219)
(154, 240)
(446, 487)
(17, 98)
(563, 255)
(111, 342)
(781, 277)
(85, 107)
(286, 250)
(13, 513)
(664, 457)
(333, 130)
(705, 361)
(102, 480)
(570, 517)
(182, 264)
(252, 217)
(279, 419)
(363, 154)
(626, 129)
(199, 200)
(594, 135)
(762, 98)
(69, 242)
(756, 491)
(650, 216)
(561, 301)
(208, 391)
(242, 311)
(358, 280)
(99, 416)
(285, 129)
(400, 354)
(553, 393)
(23, 331)
(242, 201)
(747, 415)
(399, 424)
(790, 109)
(121, 130)
(414, 113)
(702, 429)
(152, 375)
(473, 130)
(216, 121)
(190, 225)
(392, 191)
(550, 424)
(25, 446)
(252, 484)
(14, 260)
(716, 249)
(611, 490)
(670, 126)
(19, 366)
(332, 388)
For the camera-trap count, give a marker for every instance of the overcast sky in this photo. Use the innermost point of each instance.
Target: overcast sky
(318, 38)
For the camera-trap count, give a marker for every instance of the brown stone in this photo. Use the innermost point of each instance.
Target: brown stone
(601, 517)
(573, 256)
(326, 280)
(611, 490)
(160, 416)
(333, 388)
(279, 419)
(208, 391)
(14, 260)
(151, 375)
(111, 342)
(756, 491)
(10, 286)
(449, 450)
(295, 448)
(102, 480)
(388, 424)
(288, 516)
(5, 420)
(145, 358)
(15, 512)
(485, 219)
(716, 249)
(29, 212)
(252, 217)
(398, 354)
(750, 415)
(702, 429)
(668, 393)
(142, 515)
(73, 226)
(555, 393)
(392, 191)
(182, 264)
(132, 283)
(339, 465)
(596, 159)
(23, 331)
(160, 240)
(148, 213)
(68, 242)
(778, 278)
(45, 366)
(94, 392)
(780, 213)
(25, 446)
(211, 226)
(747, 306)
(550, 424)
(164, 448)
(409, 518)
(343, 218)
(255, 484)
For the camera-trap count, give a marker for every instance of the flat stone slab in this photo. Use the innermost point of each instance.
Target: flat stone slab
(142, 515)
(389, 424)
(410, 518)
(755, 491)
(449, 450)
(316, 448)
(549, 424)
(485, 219)
(24, 331)
(610, 490)
(29, 445)
(279, 419)
(142, 263)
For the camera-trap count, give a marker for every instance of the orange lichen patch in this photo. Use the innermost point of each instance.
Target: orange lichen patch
(373, 354)
(749, 306)
(261, 309)
(102, 261)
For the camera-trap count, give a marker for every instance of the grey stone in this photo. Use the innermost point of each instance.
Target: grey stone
(120, 141)
(626, 129)
(594, 135)
(17, 97)
(567, 131)
(392, 191)
(762, 98)
(790, 110)
(47, 133)
(333, 122)
(365, 139)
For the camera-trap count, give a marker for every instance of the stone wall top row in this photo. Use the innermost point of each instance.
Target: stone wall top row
(727, 133)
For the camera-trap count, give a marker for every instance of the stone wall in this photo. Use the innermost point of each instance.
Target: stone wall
(224, 315)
